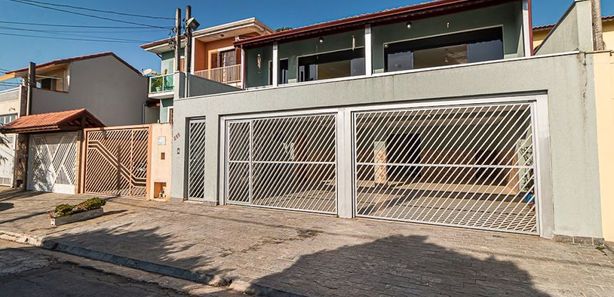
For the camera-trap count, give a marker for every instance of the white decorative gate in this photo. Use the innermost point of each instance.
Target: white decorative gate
(286, 162)
(52, 162)
(470, 166)
(196, 158)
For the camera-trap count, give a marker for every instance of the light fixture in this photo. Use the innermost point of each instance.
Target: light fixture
(321, 40)
(192, 23)
(408, 25)
(259, 61)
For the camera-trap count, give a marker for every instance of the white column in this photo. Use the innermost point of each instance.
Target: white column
(275, 65)
(526, 28)
(345, 198)
(368, 51)
(243, 63)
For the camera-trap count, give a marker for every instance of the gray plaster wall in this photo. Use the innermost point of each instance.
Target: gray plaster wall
(572, 33)
(572, 203)
(105, 86)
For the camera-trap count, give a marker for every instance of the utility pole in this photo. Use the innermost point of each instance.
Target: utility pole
(598, 43)
(178, 40)
(188, 35)
(31, 84)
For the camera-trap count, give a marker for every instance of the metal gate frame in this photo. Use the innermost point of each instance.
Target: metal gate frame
(345, 187)
(84, 155)
(224, 148)
(189, 138)
(539, 122)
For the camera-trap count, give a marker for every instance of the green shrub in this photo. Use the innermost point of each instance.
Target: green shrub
(89, 204)
(62, 210)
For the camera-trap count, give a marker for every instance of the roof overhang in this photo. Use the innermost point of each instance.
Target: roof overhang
(71, 120)
(407, 13)
(237, 28)
(62, 63)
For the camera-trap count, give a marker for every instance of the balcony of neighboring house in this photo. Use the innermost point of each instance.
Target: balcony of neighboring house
(412, 38)
(230, 75)
(161, 86)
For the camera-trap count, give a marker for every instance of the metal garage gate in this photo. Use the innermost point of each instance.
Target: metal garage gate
(470, 166)
(52, 162)
(116, 161)
(286, 162)
(196, 158)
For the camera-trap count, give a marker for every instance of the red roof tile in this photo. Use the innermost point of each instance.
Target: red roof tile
(69, 120)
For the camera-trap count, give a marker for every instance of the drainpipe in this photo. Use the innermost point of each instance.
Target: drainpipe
(598, 43)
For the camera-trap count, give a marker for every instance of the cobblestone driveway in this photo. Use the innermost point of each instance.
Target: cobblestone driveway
(320, 255)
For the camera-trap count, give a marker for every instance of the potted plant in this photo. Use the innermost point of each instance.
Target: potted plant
(66, 213)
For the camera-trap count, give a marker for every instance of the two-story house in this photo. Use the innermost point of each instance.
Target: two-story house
(64, 97)
(435, 113)
(215, 58)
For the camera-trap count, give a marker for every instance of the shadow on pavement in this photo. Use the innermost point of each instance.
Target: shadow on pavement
(400, 266)
(5, 206)
(11, 194)
(147, 245)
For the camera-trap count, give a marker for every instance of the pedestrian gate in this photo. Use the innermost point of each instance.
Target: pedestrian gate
(116, 161)
(461, 165)
(196, 158)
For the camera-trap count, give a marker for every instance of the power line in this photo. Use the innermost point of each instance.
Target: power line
(68, 33)
(85, 14)
(83, 26)
(69, 38)
(100, 10)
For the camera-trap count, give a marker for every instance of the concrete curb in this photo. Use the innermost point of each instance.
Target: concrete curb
(246, 287)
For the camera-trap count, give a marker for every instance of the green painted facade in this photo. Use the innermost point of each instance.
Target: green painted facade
(508, 16)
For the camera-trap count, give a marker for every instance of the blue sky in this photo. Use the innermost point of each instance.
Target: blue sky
(17, 51)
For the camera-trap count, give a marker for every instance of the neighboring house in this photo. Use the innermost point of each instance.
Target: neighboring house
(9, 111)
(432, 113)
(67, 96)
(214, 58)
(103, 83)
(540, 33)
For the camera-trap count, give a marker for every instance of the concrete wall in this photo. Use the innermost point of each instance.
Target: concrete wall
(572, 33)
(570, 200)
(9, 101)
(110, 90)
(160, 160)
(608, 35)
(603, 64)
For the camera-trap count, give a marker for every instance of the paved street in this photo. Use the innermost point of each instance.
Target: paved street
(24, 272)
(319, 255)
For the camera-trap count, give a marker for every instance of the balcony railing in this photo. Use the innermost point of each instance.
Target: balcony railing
(161, 84)
(225, 75)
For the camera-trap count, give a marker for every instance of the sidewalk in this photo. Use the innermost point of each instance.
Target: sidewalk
(317, 255)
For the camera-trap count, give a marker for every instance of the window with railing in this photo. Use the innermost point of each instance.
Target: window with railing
(161, 84)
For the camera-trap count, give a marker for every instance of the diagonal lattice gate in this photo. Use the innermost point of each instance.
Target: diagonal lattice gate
(466, 165)
(196, 158)
(284, 162)
(116, 161)
(52, 162)
(470, 166)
